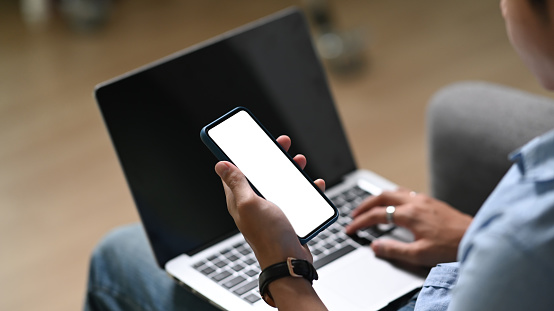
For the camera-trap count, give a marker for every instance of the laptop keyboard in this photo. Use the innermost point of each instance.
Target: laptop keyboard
(237, 269)
(234, 268)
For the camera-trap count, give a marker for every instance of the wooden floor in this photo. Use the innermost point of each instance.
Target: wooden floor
(61, 187)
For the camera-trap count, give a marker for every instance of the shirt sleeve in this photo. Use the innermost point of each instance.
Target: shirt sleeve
(437, 290)
(499, 274)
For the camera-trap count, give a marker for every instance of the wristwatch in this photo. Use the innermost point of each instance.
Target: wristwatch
(297, 268)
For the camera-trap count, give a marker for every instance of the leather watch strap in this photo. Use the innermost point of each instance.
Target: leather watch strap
(292, 267)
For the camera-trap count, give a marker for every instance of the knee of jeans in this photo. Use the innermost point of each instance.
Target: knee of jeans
(110, 253)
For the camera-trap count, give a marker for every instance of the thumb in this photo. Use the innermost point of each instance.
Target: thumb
(233, 179)
(392, 249)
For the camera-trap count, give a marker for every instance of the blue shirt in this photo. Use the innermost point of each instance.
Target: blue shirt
(506, 258)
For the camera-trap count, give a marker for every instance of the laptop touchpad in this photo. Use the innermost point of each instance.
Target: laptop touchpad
(376, 282)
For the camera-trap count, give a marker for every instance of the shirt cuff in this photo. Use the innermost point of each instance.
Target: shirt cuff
(437, 289)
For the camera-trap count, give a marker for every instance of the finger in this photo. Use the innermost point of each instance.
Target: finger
(396, 250)
(377, 215)
(403, 189)
(300, 159)
(284, 141)
(384, 199)
(320, 183)
(408, 193)
(403, 216)
(236, 184)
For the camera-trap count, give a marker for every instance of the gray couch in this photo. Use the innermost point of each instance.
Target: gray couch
(472, 127)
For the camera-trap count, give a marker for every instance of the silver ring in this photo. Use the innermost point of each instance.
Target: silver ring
(390, 214)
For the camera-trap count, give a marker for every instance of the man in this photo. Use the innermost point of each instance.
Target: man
(505, 255)
(495, 272)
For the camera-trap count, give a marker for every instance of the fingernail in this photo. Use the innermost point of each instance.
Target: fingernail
(221, 168)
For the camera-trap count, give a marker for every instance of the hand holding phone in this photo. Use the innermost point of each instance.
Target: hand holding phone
(264, 225)
(239, 138)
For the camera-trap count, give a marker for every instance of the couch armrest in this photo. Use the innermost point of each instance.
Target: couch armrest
(471, 129)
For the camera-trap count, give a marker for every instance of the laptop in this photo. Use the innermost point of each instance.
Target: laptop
(154, 115)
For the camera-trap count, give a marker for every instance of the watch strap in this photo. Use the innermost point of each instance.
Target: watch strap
(297, 268)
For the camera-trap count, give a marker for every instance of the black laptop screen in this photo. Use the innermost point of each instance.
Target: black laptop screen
(154, 117)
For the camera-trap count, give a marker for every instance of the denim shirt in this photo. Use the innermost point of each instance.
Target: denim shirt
(506, 258)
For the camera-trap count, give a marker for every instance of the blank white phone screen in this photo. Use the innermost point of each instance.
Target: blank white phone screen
(271, 172)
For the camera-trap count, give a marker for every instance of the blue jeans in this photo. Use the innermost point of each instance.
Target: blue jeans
(125, 276)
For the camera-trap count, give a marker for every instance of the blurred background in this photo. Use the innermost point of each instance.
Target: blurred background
(61, 187)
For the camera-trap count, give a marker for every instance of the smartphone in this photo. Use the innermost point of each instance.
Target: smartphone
(240, 138)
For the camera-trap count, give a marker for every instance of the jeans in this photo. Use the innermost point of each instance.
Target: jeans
(125, 276)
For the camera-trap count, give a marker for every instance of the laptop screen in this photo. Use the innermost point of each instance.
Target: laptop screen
(154, 116)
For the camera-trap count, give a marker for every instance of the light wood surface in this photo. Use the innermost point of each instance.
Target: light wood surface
(61, 187)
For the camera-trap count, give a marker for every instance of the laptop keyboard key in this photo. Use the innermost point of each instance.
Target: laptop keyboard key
(246, 287)
(208, 270)
(238, 267)
(234, 282)
(250, 261)
(245, 251)
(233, 257)
(251, 273)
(316, 252)
(221, 276)
(220, 263)
(252, 298)
(332, 256)
(198, 264)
